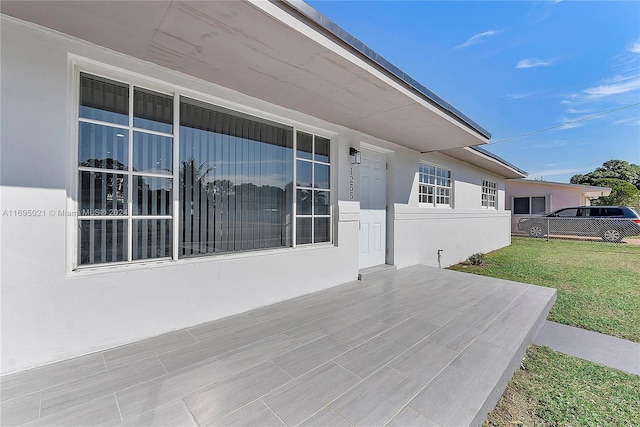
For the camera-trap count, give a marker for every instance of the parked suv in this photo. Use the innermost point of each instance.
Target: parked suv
(612, 223)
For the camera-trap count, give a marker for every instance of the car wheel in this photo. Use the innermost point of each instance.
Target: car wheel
(536, 231)
(612, 235)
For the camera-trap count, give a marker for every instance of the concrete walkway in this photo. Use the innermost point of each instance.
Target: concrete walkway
(599, 348)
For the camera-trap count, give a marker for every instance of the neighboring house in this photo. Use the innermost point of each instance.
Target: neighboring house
(525, 198)
(166, 164)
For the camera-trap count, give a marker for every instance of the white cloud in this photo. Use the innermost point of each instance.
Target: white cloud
(634, 47)
(570, 126)
(534, 62)
(518, 95)
(556, 172)
(628, 122)
(574, 111)
(622, 85)
(479, 38)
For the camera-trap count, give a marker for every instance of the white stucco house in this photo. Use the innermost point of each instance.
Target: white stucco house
(169, 163)
(525, 197)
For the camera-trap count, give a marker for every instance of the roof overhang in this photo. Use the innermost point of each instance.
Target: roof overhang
(485, 160)
(590, 191)
(284, 53)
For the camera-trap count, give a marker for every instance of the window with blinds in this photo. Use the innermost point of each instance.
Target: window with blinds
(236, 176)
(229, 186)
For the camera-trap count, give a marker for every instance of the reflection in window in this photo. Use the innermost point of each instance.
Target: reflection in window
(529, 205)
(104, 148)
(313, 197)
(434, 185)
(489, 194)
(233, 175)
(236, 181)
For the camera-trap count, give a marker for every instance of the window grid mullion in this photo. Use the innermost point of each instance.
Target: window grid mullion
(130, 180)
(176, 178)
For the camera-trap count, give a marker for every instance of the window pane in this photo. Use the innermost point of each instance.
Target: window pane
(303, 231)
(102, 193)
(322, 149)
(152, 196)
(152, 111)
(305, 145)
(152, 153)
(303, 202)
(521, 205)
(571, 213)
(152, 238)
(304, 174)
(538, 205)
(321, 177)
(321, 202)
(236, 189)
(321, 230)
(104, 100)
(101, 241)
(103, 147)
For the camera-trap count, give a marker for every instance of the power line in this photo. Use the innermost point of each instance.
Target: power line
(563, 124)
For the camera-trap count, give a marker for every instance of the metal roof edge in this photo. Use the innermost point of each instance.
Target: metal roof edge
(563, 184)
(499, 159)
(338, 32)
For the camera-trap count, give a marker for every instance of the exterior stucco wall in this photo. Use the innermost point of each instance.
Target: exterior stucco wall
(557, 196)
(460, 231)
(50, 312)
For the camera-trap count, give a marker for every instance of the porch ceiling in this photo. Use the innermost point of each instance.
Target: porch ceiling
(261, 49)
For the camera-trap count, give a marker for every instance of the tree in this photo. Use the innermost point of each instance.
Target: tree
(621, 176)
(623, 193)
(616, 169)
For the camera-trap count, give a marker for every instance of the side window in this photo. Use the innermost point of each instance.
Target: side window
(614, 212)
(572, 212)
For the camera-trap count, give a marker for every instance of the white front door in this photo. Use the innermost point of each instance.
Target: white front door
(373, 208)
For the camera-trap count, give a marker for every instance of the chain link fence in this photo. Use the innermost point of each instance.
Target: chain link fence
(607, 229)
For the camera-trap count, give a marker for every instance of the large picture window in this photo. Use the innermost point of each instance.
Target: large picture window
(435, 185)
(236, 177)
(229, 186)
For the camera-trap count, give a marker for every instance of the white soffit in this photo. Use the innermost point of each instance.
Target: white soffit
(485, 161)
(262, 50)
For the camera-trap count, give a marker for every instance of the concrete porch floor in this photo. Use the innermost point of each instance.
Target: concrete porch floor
(417, 346)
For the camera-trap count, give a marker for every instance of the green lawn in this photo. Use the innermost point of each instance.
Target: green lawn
(598, 289)
(553, 389)
(598, 283)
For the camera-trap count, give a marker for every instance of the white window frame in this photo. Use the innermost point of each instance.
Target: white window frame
(80, 65)
(489, 198)
(424, 179)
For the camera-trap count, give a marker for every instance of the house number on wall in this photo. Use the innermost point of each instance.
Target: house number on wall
(351, 184)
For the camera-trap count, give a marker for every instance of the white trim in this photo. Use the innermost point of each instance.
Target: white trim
(435, 186)
(374, 148)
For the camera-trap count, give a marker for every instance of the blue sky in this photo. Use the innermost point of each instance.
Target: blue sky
(518, 67)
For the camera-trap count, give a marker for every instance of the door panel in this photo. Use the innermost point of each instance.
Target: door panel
(373, 216)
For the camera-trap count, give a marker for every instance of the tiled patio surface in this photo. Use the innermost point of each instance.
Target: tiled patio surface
(417, 346)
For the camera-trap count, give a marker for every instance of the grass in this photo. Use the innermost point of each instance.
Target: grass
(598, 289)
(555, 389)
(598, 283)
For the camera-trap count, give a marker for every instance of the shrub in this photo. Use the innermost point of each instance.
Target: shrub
(476, 259)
